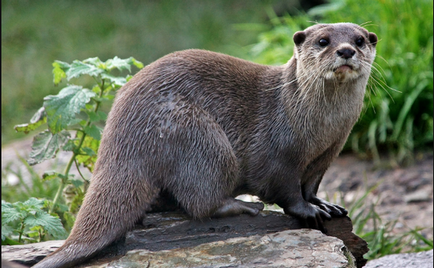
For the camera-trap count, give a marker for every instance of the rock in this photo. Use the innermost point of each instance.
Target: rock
(405, 260)
(230, 242)
(292, 248)
(8, 264)
(418, 196)
(29, 254)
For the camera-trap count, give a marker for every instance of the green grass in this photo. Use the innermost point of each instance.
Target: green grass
(399, 117)
(398, 113)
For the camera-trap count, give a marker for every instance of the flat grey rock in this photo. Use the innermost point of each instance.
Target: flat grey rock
(406, 260)
(293, 248)
(172, 239)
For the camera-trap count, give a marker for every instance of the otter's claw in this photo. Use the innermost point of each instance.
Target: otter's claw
(332, 209)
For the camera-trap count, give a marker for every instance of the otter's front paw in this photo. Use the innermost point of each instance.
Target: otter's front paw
(330, 208)
(312, 215)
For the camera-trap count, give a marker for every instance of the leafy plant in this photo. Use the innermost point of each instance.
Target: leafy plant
(75, 108)
(29, 221)
(275, 45)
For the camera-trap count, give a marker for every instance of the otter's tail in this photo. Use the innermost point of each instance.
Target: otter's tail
(71, 254)
(109, 210)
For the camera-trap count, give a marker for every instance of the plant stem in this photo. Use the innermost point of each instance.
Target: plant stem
(21, 231)
(64, 180)
(66, 173)
(40, 235)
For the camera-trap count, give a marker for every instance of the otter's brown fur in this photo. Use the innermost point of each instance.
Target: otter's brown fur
(205, 127)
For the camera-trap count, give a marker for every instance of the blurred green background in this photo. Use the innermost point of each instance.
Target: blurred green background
(35, 33)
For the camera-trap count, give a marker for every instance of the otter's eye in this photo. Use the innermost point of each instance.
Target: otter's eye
(360, 41)
(323, 42)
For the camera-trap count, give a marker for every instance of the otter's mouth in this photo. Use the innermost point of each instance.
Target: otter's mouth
(343, 69)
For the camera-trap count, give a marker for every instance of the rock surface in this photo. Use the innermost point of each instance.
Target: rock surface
(267, 240)
(293, 248)
(405, 260)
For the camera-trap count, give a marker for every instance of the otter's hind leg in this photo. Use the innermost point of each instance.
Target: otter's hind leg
(204, 170)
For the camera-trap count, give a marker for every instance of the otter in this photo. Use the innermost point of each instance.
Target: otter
(203, 127)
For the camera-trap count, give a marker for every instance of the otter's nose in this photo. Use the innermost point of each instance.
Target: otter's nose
(346, 53)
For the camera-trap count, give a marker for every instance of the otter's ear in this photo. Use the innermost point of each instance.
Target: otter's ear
(299, 37)
(373, 39)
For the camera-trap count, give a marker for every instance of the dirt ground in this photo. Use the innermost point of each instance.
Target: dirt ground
(403, 194)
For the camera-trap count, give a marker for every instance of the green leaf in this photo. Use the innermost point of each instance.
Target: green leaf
(69, 145)
(118, 63)
(34, 203)
(88, 151)
(96, 89)
(89, 147)
(105, 98)
(75, 121)
(10, 213)
(59, 69)
(49, 175)
(102, 115)
(6, 205)
(77, 183)
(135, 62)
(95, 62)
(26, 128)
(31, 212)
(93, 117)
(31, 206)
(128, 78)
(118, 81)
(38, 116)
(34, 232)
(62, 108)
(109, 97)
(38, 119)
(98, 116)
(79, 68)
(93, 131)
(45, 146)
(51, 224)
(6, 231)
(83, 123)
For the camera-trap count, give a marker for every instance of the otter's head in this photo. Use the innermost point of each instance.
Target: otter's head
(337, 52)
